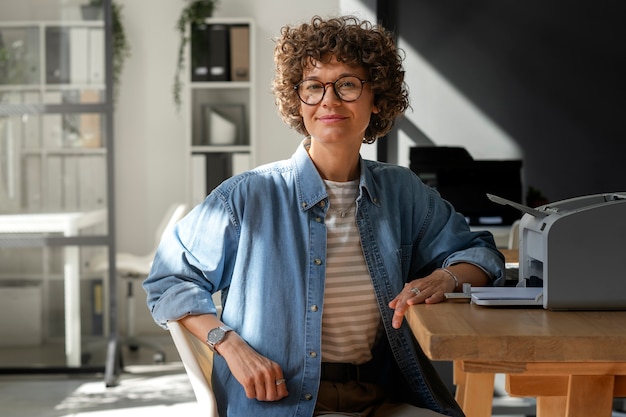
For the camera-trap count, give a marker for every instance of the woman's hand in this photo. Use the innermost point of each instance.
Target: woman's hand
(260, 377)
(432, 289)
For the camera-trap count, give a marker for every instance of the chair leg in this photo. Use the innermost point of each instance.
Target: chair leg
(130, 315)
(132, 341)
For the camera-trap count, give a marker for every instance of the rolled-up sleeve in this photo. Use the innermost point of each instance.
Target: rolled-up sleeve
(189, 265)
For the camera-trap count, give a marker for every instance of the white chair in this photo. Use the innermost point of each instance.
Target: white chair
(197, 359)
(131, 267)
(514, 235)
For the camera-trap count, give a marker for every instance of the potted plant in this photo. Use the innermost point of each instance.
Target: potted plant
(11, 68)
(194, 13)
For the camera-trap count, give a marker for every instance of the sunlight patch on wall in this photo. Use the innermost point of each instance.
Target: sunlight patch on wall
(447, 117)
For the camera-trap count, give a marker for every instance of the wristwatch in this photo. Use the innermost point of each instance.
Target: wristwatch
(216, 336)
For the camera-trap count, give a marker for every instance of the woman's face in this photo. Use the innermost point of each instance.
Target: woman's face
(334, 120)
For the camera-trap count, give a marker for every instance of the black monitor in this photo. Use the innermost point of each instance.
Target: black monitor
(464, 182)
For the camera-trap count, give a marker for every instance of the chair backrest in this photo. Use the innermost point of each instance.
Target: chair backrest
(514, 235)
(197, 359)
(173, 215)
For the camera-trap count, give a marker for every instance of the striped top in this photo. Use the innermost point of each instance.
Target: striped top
(351, 317)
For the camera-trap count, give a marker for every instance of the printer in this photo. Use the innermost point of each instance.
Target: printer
(576, 250)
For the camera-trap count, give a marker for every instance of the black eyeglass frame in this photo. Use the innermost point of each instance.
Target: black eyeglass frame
(325, 85)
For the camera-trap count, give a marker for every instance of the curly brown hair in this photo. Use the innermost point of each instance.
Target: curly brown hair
(353, 42)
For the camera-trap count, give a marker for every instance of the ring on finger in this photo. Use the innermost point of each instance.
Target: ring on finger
(415, 290)
(280, 381)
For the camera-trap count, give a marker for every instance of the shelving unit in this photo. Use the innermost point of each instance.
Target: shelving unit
(53, 98)
(220, 97)
(56, 189)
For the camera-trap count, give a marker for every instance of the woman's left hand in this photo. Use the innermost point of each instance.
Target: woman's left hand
(430, 290)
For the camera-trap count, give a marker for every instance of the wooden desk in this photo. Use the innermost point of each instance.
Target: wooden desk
(573, 362)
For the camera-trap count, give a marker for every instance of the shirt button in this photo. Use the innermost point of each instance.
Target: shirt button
(318, 261)
(318, 219)
(314, 308)
(313, 354)
(322, 204)
(308, 397)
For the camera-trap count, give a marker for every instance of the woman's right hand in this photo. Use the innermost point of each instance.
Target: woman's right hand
(260, 377)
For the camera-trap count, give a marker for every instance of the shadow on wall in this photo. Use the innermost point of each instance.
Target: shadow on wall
(545, 72)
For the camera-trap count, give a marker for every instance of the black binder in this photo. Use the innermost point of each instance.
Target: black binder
(57, 55)
(218, 168)
(210, 55)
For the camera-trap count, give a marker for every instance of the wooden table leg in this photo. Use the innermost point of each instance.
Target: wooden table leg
(568, 395)
(551, 406)
(479, 395)
(582, 388)
(474, 391)
(459, 379)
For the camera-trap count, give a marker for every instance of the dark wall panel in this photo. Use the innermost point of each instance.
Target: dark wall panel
(549, 73)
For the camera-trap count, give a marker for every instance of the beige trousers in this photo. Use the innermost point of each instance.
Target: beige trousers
(356, 399)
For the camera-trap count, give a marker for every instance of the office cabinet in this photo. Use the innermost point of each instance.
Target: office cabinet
(52, 121)
(219, 102)
(56, 184)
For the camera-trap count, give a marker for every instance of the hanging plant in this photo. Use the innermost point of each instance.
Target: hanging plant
(194, 13)
(121, 47)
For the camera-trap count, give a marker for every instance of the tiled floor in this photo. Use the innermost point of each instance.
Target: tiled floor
(145, 388)
(140, 392)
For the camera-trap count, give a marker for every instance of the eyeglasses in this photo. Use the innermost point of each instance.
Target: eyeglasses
(312, 92)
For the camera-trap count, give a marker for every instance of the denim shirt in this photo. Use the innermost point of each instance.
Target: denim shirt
(260, 238)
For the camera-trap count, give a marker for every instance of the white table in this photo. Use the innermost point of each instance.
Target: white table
(69, 224)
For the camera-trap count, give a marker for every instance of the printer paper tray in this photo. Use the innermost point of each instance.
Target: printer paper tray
(507, 296)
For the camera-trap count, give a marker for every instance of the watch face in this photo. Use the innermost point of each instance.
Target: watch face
(216, 335)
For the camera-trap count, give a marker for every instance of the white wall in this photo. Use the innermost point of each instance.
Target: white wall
(149, 134)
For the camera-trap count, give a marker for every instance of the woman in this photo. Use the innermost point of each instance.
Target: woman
(318, 257)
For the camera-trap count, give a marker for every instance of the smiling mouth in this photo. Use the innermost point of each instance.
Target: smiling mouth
(332, 118)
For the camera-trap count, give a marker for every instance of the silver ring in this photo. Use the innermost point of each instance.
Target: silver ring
(280, 381)
(415, 290)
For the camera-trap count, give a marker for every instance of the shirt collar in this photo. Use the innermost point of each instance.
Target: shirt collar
(310, 186)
